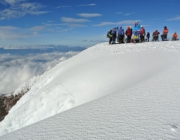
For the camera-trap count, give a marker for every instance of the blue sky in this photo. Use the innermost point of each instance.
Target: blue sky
(82, 22)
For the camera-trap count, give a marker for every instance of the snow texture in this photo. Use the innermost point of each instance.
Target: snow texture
(128, 91)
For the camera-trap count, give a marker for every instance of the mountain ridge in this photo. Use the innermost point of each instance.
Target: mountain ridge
(94, 73)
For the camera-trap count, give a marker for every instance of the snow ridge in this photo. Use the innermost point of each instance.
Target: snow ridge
(25, 87)
(97, 72)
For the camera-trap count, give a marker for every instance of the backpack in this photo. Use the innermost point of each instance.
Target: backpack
(108, 35)
(136, 37)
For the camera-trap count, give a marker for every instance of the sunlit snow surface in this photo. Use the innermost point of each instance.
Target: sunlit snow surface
(136, 87)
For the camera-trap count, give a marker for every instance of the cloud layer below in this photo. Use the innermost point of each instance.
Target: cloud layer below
(17, 69)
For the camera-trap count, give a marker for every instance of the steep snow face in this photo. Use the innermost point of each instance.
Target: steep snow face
(148, 110)
(96, 72)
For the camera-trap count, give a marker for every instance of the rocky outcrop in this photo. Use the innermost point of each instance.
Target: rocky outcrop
(7, 102)
(3, 112)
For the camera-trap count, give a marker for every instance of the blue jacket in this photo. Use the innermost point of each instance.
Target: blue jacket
(120, 31)
(137, 28)
(114, 30)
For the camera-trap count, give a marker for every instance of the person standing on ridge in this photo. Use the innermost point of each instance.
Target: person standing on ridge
(114, 30)
(165, 33)
(109, 35)
(120, 35)
(136, 31)
(175, 36)
(156, 35)
(142, 33)
(123, 36)
(129, 34)
(148, 36)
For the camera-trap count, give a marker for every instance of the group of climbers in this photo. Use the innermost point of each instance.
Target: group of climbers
(138, 33)
(164, 35)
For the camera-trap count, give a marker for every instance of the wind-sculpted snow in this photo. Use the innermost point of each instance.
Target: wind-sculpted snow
(147, 110)
(140, 82)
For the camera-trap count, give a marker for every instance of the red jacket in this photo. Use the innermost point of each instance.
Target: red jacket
(175, 35)
(156, 33)
(129, 32)
(165, 31)
(142, 31)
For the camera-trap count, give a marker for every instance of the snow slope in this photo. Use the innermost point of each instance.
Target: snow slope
(138, 83)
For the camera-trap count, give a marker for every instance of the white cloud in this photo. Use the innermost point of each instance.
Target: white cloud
(11, 2)
(73, 20)
(14, 33)
(176, 18)
(119, 13)
(88, 15)
(128, 14)
(10, 32)
(64, 6)
(92, 4)
(8, 28)
(71, 26)
(38, 28)
(125, 14)
(105, 23)
(9, 14)
(49, 24)
(19, 8)
(67, 6)
(125, 22)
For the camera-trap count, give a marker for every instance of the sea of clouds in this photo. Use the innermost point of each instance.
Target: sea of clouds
(17, 67)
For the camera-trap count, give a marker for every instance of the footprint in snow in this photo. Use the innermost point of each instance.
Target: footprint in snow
(174, 128)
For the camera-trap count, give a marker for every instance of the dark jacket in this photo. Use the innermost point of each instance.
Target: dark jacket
(148, 34)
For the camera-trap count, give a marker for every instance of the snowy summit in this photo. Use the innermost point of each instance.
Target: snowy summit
(128, 91)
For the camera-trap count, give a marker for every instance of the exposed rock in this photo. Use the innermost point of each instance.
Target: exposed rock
(3, 112)
(6, 103)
